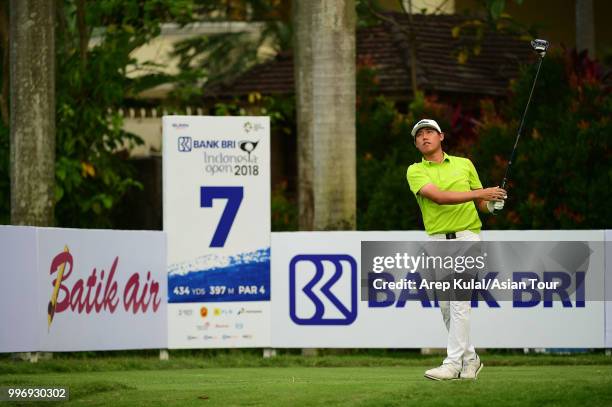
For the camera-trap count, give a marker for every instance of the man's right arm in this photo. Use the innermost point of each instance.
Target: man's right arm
(420, 183)
(433, 193)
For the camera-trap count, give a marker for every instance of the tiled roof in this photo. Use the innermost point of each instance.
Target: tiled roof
(386, 47)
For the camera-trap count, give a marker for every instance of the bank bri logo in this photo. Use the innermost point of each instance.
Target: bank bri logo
(184, 144)
(348, 274)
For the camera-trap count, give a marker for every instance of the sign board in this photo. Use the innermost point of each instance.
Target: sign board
(77, 289)
(216, 173)
(317, 300)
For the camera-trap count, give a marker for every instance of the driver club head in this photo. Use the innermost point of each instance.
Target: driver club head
(540, 46)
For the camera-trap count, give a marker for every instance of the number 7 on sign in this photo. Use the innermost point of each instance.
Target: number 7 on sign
(234, 198)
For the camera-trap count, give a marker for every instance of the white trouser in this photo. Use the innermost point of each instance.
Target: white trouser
(456, 315)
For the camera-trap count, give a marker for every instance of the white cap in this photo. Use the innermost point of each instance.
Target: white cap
(425, 123)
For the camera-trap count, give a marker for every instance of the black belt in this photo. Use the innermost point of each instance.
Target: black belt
(451, 235)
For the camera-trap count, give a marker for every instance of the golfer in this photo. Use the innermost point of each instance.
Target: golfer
(448, 191)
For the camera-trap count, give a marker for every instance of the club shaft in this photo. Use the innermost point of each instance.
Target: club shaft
(520, 130)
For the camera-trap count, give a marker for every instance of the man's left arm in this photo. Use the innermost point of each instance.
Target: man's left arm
(483, 206)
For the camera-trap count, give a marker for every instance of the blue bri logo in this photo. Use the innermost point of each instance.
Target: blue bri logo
(348, 312)
(184, 144)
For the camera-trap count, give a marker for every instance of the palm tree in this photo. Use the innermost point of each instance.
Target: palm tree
(32, 111)
(324, 44)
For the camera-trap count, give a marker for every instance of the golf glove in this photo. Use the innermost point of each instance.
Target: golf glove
(495, 206)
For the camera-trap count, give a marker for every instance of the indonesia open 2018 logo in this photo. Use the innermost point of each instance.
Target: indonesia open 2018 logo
(98, 292)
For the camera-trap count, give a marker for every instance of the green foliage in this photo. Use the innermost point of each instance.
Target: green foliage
(385, 149)
(92, 175)
(282, 122)
(561, 175)
(495, 8)
(221, 57)
(92, 83)
(284, 211)
(384, 152)
(471, 32)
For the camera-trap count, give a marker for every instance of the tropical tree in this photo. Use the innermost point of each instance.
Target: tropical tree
(324, 69)
(32, 111)
(94, 42)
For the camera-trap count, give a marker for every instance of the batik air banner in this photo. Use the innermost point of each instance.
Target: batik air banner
(77, 290)
(321, 283)
(216, 173)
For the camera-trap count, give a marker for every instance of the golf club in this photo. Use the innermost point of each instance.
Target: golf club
(540, 46)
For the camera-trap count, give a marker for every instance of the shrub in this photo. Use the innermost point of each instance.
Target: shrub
(561, 173)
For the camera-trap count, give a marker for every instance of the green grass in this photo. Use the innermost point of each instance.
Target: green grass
(289, 380)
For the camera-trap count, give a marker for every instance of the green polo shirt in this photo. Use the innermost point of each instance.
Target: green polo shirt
(452, 174)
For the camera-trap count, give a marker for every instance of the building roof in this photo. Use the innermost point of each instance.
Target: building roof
(386, 48)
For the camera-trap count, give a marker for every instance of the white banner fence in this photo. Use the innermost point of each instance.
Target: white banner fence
(311, 309)
(74, 290)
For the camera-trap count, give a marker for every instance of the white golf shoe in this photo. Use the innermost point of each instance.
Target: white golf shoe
(444, 372)
(470, 370)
